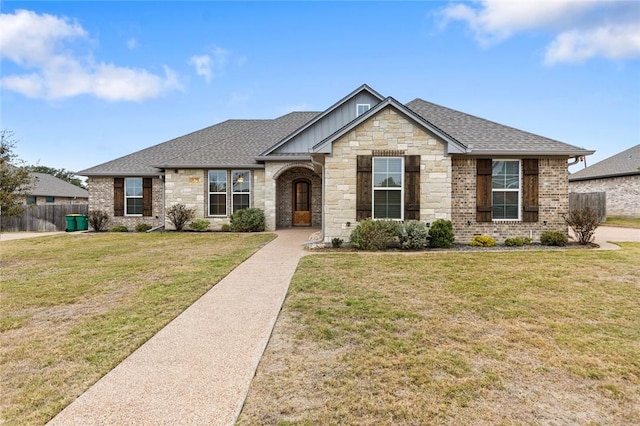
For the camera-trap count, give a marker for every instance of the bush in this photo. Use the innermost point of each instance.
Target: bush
(583, 222)
(98, 219)
(517, 241)
(483, 241)
(248, 220)
(415, 235)
(199, 225)
(553, 238)
(336, 242)
(143, 227)
(375, 234)
(441, 234)
(179, 215)
(225, 227)
(119, 228)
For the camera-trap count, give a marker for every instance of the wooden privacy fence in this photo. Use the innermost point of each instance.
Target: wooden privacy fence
(39, 218)
(595, 200)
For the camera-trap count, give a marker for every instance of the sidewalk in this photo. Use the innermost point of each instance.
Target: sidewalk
(197, 370)
(604, 234)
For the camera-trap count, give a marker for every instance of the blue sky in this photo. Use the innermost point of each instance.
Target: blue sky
(82, 83)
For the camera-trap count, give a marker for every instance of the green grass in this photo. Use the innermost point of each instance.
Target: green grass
(625, 222)
(529, 337)
(74, 306)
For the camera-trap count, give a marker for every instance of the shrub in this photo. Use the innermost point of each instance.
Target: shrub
(336, 242)
(118, 228)
(143, 227)
(225, 227)
(483, 241)
(375, 234)
(553, 238)
(441, 234)
(583, 222)
(98, 219)
(199, 225)
(517, 241)
(248, 220)
(179, 215)
(415, 235)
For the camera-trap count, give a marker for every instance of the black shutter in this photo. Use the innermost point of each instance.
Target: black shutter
(483, 189)
(530, 190)
(412, 187)
(363, 187)
(147, 197)
(118, 196)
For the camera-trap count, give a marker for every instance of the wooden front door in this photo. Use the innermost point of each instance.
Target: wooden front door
(301, 203)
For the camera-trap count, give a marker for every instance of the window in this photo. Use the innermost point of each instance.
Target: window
(505, 187)
(361, 109)
(31, 199)
(387, 187)
(133, 196)
(49, 199)
(241, 189)
(217, 193)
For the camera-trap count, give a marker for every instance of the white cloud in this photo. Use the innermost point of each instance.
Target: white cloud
(42, 43)
(132, 43)
(580, 29)
(206, 64)
(202, 64)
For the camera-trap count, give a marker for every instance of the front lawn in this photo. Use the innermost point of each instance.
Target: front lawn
(482, 338)
(623, 222)
(75, 305)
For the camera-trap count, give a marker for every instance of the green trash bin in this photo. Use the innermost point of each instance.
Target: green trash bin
(82, 224)
(71, 222)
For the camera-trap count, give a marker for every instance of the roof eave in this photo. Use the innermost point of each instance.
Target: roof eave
(568, 153)
(283, 158)
(611, 175)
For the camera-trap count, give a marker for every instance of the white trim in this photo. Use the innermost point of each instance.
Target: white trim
(358, 113)
(519, 190)
(241, 193)
(127, 197)
(374, 189)
(226, 193)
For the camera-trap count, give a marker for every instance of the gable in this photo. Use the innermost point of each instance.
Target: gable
(335, 117)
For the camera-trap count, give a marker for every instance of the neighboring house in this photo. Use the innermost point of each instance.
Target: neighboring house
(48, 189)
(617, 176)
(365, 156)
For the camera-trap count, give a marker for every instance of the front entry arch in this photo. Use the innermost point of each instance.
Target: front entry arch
(301, 202)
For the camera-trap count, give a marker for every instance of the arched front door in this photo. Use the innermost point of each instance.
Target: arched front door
(301, 203)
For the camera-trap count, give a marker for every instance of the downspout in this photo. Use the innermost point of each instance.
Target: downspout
(576, 160)
(314, 162)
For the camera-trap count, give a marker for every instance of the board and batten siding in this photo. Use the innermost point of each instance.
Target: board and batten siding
(328, 125)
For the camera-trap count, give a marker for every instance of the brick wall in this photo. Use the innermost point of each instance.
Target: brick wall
(387, 130)
(553, 203)
(101, 198)
(623, 193)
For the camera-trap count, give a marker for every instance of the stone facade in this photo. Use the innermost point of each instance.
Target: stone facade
(553, 190)
(101, 198)
(623, 193)
(387, 130)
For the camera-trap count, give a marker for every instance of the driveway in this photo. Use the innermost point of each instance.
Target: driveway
(607, 234)
(8, 236)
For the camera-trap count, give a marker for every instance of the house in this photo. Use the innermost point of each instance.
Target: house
(365, 156)
(618, 177)
(48, 189)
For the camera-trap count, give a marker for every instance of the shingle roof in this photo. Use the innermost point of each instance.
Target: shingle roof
(487, 137)
(46, 185)
(230, 143)
(237, 143)
(623, 164)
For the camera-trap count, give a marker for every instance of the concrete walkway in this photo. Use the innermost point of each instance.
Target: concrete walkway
(605, 234)
(197, 370)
